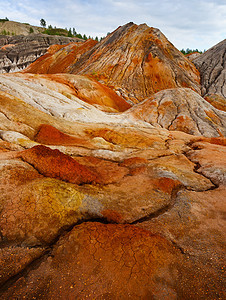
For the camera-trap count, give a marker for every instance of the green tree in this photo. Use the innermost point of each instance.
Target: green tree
(74, 32)
(70, 33)
(31, 30)
(43, 23)
(4, 20)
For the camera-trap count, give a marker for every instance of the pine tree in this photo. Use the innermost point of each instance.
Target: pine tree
(74, 32)
(69, 33)
(43, 23)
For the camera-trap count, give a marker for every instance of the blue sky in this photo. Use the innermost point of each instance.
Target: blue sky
(186, 23)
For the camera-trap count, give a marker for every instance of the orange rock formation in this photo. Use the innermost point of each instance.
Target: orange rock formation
(104, 199)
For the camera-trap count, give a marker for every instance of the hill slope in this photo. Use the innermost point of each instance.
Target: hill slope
(137, 60)
(101, 200)
(17, 28)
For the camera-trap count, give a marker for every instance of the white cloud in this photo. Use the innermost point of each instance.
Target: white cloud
(187, 24)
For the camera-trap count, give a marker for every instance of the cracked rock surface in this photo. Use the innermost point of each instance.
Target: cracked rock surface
(101, 200)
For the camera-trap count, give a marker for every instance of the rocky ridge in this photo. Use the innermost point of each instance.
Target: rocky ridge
(101, 200)
(137, 61)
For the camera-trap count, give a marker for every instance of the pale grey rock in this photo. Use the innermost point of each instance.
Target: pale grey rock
(212, 68)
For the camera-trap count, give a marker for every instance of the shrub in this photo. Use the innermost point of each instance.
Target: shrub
(4, 20)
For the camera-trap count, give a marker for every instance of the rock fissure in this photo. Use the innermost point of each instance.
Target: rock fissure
(24, 272)
(5, 115)
(196, 168)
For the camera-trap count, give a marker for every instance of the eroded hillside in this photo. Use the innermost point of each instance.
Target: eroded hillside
(104, 199)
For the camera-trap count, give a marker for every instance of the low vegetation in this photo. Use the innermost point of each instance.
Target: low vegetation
(50, 30)
(67, 32)
(189, 51)
(4, 20)
(4, 32)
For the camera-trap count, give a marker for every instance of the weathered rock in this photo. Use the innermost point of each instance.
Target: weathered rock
(140, 61)
(217, 101)
(195, 224)
(203, 155)
(60, 59)
(179, 168)
(107, 171)
(15, 259)
(17, 52)
(212, 68)
(104, 261)
(67, 96)
(33, 209)
(103, 163)
(118, 261)
(49, 135)
(182, 110)
(55, 164)
(27, 195)
(137, 60)
(193, 55)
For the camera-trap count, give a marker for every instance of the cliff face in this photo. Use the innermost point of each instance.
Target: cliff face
(212, 67)
(101, 200)
(17, 52)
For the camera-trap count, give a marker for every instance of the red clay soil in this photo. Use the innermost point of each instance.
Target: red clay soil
(55, 164)
(98, 261)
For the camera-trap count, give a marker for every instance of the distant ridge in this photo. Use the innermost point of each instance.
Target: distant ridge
(17, 28)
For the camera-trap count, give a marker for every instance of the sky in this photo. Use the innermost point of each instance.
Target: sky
(194, 24)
